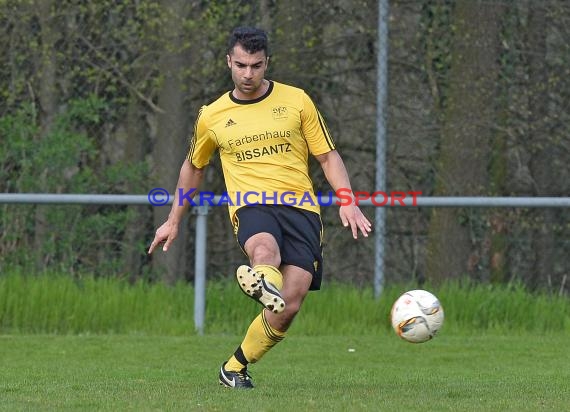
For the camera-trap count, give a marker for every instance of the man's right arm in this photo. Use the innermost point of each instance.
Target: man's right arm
(190, 178)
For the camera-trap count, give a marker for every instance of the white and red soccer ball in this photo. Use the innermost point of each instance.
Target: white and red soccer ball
(416, 316)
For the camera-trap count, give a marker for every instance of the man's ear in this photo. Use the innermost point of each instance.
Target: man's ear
(229, 60)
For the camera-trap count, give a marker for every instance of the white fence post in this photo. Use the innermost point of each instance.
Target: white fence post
(200, 268)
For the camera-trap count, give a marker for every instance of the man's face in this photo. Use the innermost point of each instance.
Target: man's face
(248, 71)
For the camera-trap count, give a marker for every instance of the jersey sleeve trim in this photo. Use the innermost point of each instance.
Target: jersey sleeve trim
(195, 135)
(326, 132)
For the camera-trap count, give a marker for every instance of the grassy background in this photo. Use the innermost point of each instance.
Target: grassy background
(65, 305)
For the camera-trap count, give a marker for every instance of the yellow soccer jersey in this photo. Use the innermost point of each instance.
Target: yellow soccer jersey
(263, 145)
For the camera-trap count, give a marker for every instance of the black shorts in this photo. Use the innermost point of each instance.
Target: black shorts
(298, 233)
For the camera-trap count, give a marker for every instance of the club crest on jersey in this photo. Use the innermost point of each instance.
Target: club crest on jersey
(279, 112)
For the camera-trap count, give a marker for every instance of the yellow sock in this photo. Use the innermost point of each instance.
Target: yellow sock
(260, 337)
(271, 274)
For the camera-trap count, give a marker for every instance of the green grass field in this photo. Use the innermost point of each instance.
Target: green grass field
(490, 372)
(81, 344)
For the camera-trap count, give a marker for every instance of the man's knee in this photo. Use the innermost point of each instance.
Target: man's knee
(292, 307)
(266, 253)
(283, 320)
(263, 249)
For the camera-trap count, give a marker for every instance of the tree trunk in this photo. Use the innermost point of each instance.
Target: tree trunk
(453, 247)
(172, 134)
(46, 64)
(265, 15)
(135, 151)
(544, 175)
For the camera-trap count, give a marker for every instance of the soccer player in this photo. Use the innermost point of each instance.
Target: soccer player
(264, 132)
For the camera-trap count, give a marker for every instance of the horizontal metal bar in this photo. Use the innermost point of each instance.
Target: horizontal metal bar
(84, 199)
(421, 201)
(493, 201)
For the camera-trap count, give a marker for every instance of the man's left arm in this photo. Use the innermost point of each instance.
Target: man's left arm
(337, 176)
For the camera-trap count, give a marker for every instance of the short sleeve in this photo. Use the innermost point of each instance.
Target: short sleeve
(315, 129)
(202, 146)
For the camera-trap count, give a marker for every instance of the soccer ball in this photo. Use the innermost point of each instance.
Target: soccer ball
(416, 316)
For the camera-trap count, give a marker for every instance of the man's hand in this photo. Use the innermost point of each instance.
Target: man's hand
(165, 233)
(352, 216)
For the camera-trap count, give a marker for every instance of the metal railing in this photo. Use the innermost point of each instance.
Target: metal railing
(202, 211)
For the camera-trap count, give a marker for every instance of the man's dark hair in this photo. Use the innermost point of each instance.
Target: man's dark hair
(250, 38)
